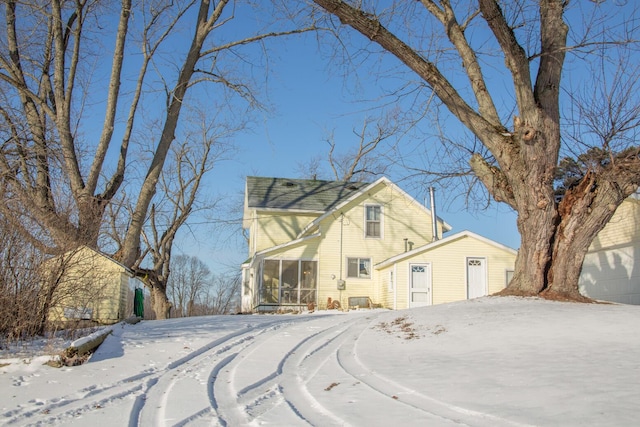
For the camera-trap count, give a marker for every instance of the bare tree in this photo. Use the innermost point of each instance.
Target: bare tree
(21, 313)
(194, 291)
(223, 295)
(530, 42)
(176, 202)
(187, 283)
(365, 160)
(56, 83)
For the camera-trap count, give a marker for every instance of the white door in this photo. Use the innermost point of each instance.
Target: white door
(419, 285)
(476, 277)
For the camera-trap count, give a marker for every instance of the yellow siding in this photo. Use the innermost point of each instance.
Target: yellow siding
(448, 269)
(609, 271)
(343, 237)
(90, 281)
(622, 229)
(273, 229)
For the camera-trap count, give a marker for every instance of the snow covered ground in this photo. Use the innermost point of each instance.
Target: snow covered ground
(485, 362)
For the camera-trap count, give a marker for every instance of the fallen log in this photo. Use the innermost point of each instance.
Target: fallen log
(80, 350)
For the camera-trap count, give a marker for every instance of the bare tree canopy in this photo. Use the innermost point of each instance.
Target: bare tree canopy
(533, 82)
(79, 84)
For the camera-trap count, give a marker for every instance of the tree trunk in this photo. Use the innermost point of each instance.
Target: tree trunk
(159, 302)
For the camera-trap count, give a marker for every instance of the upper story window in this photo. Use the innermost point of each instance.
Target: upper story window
(373, 221)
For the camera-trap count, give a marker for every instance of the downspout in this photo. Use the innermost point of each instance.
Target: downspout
(434, 217)
(341, 232)
(341, 235)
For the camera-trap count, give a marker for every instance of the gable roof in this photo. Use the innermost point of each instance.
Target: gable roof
(297, 194)
(364, 189)
(440, 242)
(83, 249)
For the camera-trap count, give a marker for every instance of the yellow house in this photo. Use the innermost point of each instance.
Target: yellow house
(88, 285)
(312, 242)
(611, 268)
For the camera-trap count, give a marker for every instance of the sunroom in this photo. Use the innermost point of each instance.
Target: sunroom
(287, 283)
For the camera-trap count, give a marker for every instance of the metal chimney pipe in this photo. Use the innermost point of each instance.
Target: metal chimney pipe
(434, 223)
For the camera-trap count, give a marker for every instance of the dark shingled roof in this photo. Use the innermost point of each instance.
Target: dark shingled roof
(302, 194)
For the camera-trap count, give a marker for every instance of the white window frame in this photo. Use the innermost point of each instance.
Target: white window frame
(508, 275)
(366, 221)
(359, 276)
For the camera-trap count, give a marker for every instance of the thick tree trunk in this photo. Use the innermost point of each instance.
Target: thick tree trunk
(584, 211)
(520, 172)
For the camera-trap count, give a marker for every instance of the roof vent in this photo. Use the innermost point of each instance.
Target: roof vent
(352, 187)
(288, 184)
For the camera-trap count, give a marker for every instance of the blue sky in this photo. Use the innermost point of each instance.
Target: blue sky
(307, 96)
(310, 98)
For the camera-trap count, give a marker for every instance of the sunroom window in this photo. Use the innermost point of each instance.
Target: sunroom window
(288, 282)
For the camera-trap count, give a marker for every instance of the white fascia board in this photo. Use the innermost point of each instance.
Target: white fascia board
(339, 206)
(280, 210)
(388, 182)
(443, 241)
(285, 245)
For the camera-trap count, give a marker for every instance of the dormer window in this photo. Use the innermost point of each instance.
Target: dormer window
(373, 221)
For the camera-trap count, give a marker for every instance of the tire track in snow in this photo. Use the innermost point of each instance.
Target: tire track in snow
(63, 409)
(314, 369)
(280, 388)
(327, 394)
(191, 376)
(347, 358)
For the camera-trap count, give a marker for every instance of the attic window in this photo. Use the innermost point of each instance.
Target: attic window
(373, 221)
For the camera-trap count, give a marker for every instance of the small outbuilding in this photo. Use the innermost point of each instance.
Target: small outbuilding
(88, 285)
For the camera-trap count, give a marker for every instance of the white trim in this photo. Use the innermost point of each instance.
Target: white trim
(437, 243)
(506, 275)
(410, 279)
(395, 287)
(346, 267)
(288, 210)
(284, 245)
(486, 273)
(364, 218)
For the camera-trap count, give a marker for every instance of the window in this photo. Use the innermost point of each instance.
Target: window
(270, 281)
(359, 267)
(508, 277)
(289, 287)
(308, 282)
(288, 282)
(373, 221)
